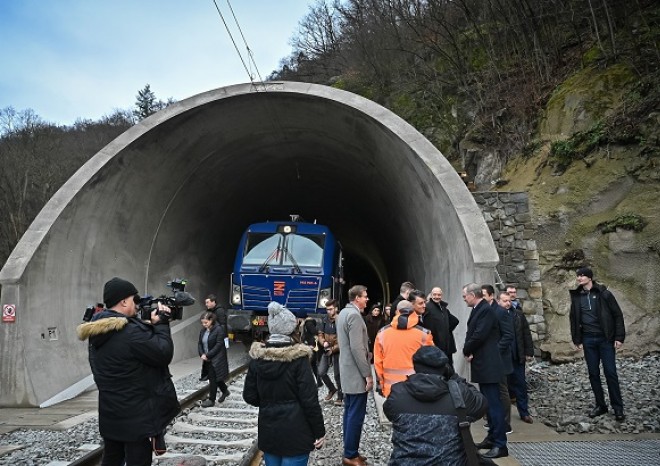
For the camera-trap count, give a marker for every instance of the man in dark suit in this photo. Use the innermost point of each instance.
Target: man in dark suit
(505, 344)
(482, 352)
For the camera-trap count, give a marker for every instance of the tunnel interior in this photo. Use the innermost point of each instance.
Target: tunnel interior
(246, 166)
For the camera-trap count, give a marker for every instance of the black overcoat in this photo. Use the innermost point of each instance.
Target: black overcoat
(482, 341)
(129, 359)
(217, 354)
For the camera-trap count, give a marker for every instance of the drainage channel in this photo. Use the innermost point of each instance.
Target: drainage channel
(592, 453)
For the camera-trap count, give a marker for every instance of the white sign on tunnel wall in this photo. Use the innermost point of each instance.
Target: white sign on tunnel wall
(9, 312)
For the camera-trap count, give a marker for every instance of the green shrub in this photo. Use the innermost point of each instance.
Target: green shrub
(577, 147)
(632, 222)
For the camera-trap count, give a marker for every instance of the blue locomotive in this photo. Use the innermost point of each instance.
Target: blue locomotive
(295, 263)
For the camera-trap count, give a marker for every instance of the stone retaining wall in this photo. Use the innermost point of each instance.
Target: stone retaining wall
(509, 220)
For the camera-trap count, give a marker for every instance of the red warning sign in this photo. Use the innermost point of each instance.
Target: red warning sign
(9, 312)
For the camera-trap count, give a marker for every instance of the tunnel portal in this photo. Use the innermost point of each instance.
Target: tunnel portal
(171, 196)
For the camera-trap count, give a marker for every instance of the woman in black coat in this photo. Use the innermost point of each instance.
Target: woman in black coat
(374, 321)
(280, 382)
(211, 348)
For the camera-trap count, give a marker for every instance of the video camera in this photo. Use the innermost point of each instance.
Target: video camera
(176, 302)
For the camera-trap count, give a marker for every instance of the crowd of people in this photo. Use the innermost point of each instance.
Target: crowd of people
(410, 343)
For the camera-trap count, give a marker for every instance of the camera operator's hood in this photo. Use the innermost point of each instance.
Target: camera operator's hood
(102, 327)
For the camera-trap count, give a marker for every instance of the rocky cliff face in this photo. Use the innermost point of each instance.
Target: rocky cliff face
(594, 197)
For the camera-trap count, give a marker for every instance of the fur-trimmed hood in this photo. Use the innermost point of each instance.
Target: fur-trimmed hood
(272, 362)
(279, 353)
(102, 327)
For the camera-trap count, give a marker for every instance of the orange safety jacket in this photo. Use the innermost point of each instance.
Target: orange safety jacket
(394, 349)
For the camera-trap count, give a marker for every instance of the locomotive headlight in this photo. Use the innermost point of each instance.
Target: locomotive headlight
(236, 294)
(324, 296)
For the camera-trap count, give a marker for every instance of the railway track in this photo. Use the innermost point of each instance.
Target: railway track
(223, 434)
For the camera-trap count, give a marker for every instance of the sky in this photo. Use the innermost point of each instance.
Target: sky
(83, 59)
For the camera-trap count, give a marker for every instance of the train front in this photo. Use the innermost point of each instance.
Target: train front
(293, 263)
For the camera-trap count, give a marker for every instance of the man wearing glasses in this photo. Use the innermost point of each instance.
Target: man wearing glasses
(355, 368)
(597, 327)
(513, 294)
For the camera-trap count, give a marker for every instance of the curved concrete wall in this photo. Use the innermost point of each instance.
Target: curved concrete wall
(171, 196)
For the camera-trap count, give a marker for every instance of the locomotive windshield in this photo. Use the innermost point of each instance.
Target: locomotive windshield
(297, 250)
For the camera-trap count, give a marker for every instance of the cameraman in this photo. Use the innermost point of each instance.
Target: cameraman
(129, 359)
(426, 401)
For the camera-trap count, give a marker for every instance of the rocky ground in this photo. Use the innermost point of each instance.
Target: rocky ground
(562, 397)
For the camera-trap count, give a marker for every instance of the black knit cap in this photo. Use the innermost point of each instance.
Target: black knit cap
(586, 271)
(117, 289)
(430, 360)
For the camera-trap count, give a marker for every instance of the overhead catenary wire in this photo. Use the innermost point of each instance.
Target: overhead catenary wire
(247, 47)
(272, 111)
(231, 37)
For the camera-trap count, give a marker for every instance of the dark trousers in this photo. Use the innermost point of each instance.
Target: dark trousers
(324, 366)
(505, 399)
(496, 422)
(355, 408)
(316, 358)
(597, 349)
(518, 388)
(214, 383)
(132, 453)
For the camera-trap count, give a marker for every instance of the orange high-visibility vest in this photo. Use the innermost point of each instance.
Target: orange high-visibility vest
(394, 349)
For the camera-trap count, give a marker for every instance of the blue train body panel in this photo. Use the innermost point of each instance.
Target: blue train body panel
(297, 264)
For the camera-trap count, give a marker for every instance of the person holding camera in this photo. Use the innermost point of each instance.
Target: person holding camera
(426, 410)
(129, 359)
(212, 350)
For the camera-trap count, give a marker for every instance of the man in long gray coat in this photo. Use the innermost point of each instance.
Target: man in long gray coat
(355, 369)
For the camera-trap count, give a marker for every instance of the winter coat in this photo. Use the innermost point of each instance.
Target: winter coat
(505, 344)
(609, 314)
(309, 333)
(281, 383)
(354, 365)
(425, 428)
(524, 344)
(481, 341)
(441, 323)
(373, 325)
(221, 315)
(217, 355)
(328, 333)
(129, 360)
(394, 350)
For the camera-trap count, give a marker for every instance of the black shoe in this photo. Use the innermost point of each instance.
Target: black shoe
(224, 395)
(619, 416)
(204, 379)
(496, 452)
(597, 411)
(487, 444)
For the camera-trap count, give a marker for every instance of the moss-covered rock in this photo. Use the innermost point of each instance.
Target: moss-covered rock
(582, 100)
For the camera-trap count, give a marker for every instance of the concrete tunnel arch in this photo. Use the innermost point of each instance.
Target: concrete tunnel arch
(171, 196)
